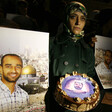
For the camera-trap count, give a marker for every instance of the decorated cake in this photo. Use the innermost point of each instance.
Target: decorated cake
(77, 92)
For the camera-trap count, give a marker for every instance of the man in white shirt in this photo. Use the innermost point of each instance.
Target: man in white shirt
(12, 97)
(104, 67)
(104, 71)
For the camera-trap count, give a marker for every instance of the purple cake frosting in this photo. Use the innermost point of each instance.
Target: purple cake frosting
(77, 86)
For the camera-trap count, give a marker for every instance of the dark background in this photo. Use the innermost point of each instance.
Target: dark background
(49, 13)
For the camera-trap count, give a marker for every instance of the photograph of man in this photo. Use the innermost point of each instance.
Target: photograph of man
(12, 97)
(104, 67)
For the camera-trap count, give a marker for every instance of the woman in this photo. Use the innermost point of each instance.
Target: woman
(69, 52)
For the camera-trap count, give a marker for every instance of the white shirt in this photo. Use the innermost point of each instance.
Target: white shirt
(101, 69)
(12, 102)
(105, 75)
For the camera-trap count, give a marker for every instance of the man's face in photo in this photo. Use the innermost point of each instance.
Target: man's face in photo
(108, 57)
(11, 68)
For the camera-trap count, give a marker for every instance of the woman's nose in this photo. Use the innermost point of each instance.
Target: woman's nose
(77, 21)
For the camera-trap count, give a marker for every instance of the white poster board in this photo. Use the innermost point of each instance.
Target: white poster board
(33, 48)
(104, 73)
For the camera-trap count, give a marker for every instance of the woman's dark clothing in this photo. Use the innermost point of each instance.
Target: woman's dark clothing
(67, 56)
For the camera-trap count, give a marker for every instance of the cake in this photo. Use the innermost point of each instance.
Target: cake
(77, 92)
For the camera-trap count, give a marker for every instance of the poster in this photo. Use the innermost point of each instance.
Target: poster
(103, 60)
(32, 47)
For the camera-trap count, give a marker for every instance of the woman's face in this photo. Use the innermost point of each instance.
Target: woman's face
(76, 22)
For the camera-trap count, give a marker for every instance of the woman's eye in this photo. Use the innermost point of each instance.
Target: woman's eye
(83, 18)
(72, 16)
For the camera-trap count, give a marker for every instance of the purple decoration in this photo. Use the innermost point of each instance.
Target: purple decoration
(78, 86)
